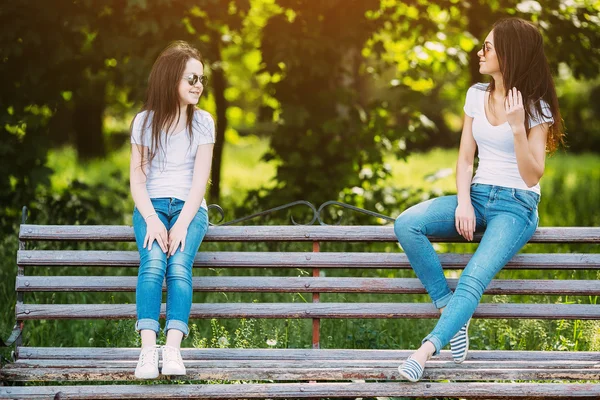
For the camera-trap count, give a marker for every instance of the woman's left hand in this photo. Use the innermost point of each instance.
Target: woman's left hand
(177, 236)
(515, 113)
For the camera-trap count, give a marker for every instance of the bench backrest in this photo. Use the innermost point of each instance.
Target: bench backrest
(310, 258)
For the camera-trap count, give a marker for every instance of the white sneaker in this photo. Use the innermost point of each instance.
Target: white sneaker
(147, 366)
(172, 364)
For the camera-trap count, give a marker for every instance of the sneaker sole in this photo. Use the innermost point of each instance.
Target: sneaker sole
(173, 372)
(147, 376)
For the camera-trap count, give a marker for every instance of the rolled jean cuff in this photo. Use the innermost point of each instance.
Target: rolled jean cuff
(435, 341)
(149, 324)
(179, 325)
(443, 302)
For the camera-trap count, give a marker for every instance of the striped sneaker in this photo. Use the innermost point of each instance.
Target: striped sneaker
(411, 370)
(459, 344)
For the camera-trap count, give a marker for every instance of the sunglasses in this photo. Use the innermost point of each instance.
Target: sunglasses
(484, 48)
(192, 79)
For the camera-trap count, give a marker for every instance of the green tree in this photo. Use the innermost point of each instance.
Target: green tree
(61, 75)
(323, 139)
(355, 78)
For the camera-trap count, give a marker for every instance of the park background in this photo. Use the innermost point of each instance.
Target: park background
(358, 101)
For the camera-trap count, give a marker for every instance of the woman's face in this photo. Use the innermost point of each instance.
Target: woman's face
(190, 93)
(488, 58)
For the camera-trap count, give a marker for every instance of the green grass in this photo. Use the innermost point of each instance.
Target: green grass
(243, 169)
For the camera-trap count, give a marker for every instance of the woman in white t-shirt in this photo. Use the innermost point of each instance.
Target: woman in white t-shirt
(512, 121)
(172, 144)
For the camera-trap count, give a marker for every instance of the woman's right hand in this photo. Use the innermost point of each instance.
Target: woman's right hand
(464, 220)
(155, 230)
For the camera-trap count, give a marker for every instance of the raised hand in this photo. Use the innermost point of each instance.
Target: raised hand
(515, 113)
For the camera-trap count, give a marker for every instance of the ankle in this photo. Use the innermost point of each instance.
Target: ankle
(428, 349)
(148, 338)
(174, 338)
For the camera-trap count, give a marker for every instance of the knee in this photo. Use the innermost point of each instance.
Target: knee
(179, 271)
(406, 227)
(152, 268)
(470, 287)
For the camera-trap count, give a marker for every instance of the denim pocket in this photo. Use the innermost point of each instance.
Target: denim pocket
(525, 198)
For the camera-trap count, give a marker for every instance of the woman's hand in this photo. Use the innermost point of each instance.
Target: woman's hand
(177, 236)
(155, 230)
(515, 113)
(464, 220)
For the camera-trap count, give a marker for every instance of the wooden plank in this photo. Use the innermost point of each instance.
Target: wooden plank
(468, 390)
(303, 284)
(285, 373)
(131, 354)
(241, 364)
(285, 233)
(310, 310)
(227, 259)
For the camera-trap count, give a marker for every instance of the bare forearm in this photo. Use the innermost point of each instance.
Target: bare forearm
(199, 182)
(192, 205)
(464, 175)
(529, 168)
(142, 201)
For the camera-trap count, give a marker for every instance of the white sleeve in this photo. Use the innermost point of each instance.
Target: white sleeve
(136, 131)
(203, 128)
(537, 119)
(470, 102)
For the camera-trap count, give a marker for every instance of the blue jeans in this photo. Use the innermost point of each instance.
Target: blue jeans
(509, 218)
(154, 265)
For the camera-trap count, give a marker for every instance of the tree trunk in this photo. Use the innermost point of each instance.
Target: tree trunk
(218, 86)
(88, 120)
(478, 26)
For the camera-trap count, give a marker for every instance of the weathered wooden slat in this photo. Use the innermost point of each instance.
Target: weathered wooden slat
(468, 390)
(129, 353)
(227, 259)
(286, 373)
(285, 233)
(241, 364)
(310, 310)
(303, 284)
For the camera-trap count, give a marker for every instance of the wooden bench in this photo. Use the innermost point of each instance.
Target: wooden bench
(296, 373)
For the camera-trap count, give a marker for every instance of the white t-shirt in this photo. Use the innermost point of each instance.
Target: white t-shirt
(172, 169)
(497, 158)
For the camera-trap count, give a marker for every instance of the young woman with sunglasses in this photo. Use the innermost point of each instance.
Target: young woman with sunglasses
(171, 153)
(512, 122)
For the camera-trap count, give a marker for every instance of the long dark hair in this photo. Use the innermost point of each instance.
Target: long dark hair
(523, 64)
(162, 97)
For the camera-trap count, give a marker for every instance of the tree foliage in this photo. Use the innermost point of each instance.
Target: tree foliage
(357, 78)
(335, 84)
(65, 62)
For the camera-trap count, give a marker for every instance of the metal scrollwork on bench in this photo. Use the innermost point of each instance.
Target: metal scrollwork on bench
(351, 207)
(316, 213)
(260, 214)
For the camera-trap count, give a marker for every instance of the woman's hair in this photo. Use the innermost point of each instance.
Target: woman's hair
(523, 64)
(162, 97)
